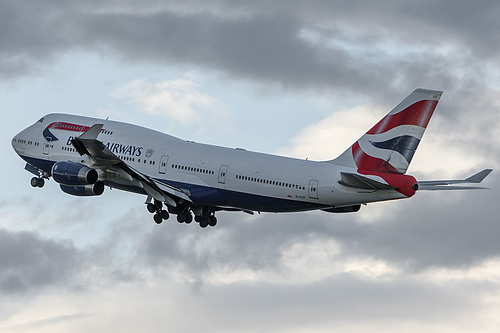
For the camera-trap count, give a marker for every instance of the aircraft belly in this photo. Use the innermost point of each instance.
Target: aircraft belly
(211, 196)
(42, 164)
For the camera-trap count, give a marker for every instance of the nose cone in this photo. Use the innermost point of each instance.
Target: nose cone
(17, 144)
(20, 140)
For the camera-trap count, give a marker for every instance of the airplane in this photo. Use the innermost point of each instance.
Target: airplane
(84, 155)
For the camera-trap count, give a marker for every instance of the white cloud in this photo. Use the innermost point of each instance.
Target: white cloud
(439, 154)
(486, 271)
(182, 100)
(316, 260)
(355, 276)
(329, 137)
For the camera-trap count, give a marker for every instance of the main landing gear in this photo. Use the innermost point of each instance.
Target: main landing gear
(160, 214)
(204, 215)
(185, 217)
(206, 221)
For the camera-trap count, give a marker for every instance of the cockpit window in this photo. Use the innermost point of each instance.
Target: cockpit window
(41, 120)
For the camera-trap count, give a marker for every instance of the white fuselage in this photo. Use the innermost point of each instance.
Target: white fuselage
(212, 175)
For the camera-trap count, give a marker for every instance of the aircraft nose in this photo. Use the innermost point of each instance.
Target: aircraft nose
(16, 143)
(19, 142)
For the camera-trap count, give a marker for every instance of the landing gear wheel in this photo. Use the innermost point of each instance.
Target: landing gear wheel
(181, 218)
(189, 218)
(158, 204)
(164, 214)
(151, 208)
(158, 219)
(204, 223)
(212, 221)
(37, 182)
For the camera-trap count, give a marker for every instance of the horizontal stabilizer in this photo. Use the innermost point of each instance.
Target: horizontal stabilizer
(449, 184)
(449, 188)
(361, 182)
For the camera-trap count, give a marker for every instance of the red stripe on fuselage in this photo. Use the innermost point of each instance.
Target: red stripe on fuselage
(417, 114)
(68, 127)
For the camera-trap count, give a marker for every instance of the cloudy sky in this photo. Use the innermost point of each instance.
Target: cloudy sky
(296, 78)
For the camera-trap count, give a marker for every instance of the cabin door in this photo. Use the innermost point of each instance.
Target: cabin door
(222, 174)
(163, 164)
(313, 189)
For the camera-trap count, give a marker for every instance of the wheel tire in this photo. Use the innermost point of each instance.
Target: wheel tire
(212, 221)
(41, 182)
(34, 182)
(204, 223)
(158, 205)
(181, 218)
(157, 218)
(189, 218)
(151, 208)
(164, 214)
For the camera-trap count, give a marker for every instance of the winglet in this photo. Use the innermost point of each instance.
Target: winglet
(478, 177)
(92, 132)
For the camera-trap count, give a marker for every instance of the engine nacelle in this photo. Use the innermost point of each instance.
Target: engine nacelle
(84, 190)
(70, 173)
(348, 209)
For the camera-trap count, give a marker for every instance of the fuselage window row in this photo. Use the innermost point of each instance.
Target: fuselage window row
(123, 158)
(69, 149)
(30, 143)
(270, 182)
(192, 169)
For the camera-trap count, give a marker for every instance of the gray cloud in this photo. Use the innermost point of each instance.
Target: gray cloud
(30, 262)
(264, 46)
(427, 231)
(335, 303)
(268, 43)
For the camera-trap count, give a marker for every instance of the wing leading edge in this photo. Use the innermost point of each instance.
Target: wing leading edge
(87, 144)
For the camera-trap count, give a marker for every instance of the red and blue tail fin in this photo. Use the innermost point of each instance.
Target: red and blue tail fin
(389, 146)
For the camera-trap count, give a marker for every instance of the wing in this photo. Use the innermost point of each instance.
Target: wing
(104, 159)
(450, 184)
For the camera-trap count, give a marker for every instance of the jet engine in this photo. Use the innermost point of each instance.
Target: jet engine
(71, 173)
(84, 190)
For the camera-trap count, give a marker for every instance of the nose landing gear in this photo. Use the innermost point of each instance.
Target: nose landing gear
(37, 182)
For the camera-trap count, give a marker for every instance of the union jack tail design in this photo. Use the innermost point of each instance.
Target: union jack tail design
(389, 146)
